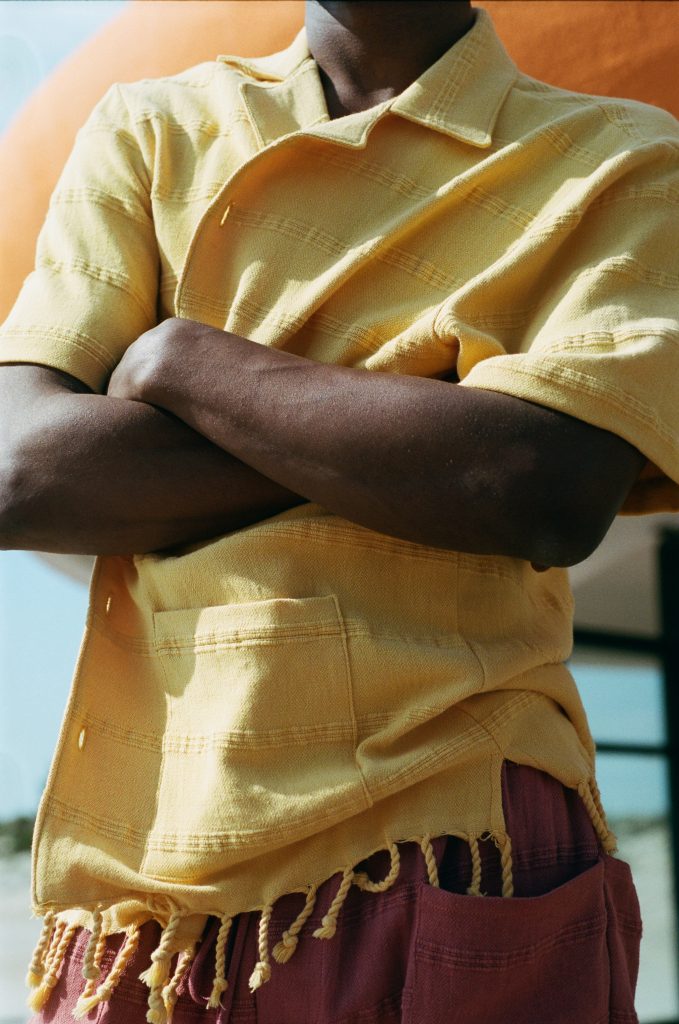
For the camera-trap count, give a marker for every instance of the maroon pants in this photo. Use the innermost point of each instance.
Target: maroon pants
(563, 950)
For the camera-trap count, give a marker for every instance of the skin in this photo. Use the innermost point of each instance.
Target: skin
(176, 453)
(421, 459)
(369, 51)
(81, 473)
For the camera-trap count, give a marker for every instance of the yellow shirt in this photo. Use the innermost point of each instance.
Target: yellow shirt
(256, 713)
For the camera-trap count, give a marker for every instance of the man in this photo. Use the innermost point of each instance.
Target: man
(331, 620)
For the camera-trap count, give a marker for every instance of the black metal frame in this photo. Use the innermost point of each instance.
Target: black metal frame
(666, 648)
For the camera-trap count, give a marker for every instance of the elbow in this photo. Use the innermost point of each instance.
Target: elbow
(10, 516)
(550, 524)
(18, 494)
(561, 546)
(566, 534)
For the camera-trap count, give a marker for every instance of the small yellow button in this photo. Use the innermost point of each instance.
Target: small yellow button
(81, 739)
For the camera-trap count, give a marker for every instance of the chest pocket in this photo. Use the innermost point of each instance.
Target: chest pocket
(260, 732)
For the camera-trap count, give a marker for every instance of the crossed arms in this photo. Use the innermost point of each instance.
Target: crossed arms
(203, 432)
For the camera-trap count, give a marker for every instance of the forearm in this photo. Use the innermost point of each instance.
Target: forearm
(98, 475)
(420, 459)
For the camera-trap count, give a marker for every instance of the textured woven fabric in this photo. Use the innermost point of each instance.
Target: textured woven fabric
(480, 210)
(285, 700)
(418, 954)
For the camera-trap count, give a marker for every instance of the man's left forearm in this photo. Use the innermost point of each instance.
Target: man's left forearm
(416, 458)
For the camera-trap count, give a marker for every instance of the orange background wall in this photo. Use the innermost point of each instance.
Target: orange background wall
(610, 47)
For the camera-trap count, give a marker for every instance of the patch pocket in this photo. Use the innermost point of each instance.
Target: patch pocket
(260, 732)
(559, 958)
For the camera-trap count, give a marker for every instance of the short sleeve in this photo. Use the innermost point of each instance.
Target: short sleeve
(602, 341)
(94, 287)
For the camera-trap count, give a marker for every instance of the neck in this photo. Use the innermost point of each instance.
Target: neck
(368, 51)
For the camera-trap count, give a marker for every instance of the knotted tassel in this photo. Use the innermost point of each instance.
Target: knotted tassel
(262, 971)
(287, 945)
(329, 922)
(39, 996)
(506, 864)
(92, 965)
(589, 791)
(430, 859)
(156, 976)
(474, 888)
(220, 983)
(57, 934)
(363, 882)
(37, 966)
(90, 971)
(103, 993)
(170, 994)
(158, 973)
(156, 1012)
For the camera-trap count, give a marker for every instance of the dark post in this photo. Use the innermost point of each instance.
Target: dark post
(669, 648)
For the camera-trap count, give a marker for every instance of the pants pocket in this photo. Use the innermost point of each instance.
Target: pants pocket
(570, 955)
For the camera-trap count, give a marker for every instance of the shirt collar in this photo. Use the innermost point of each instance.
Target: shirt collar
(460, 95)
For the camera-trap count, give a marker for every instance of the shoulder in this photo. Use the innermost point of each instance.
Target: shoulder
(204, 92)
(599, 127)
(210, 89)
(153, 116)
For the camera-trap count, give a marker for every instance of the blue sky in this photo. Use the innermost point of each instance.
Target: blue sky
(36, 35)
(42, 612)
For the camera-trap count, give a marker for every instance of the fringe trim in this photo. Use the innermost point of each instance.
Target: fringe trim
(170, 994)
(430, 860)
(474, 888)
(591, 797)
(93, 953)
(59, 930)
(329, 922)
(36, 968)
(56, 934)
(41, 993)
(220, 983)
(284, 949)
(364, 883)
(88, 1000)
(506, 864)
(157, 975)
(262, 971)
(91, 972)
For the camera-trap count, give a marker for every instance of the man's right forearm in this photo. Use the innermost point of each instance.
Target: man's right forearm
(84, 473)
